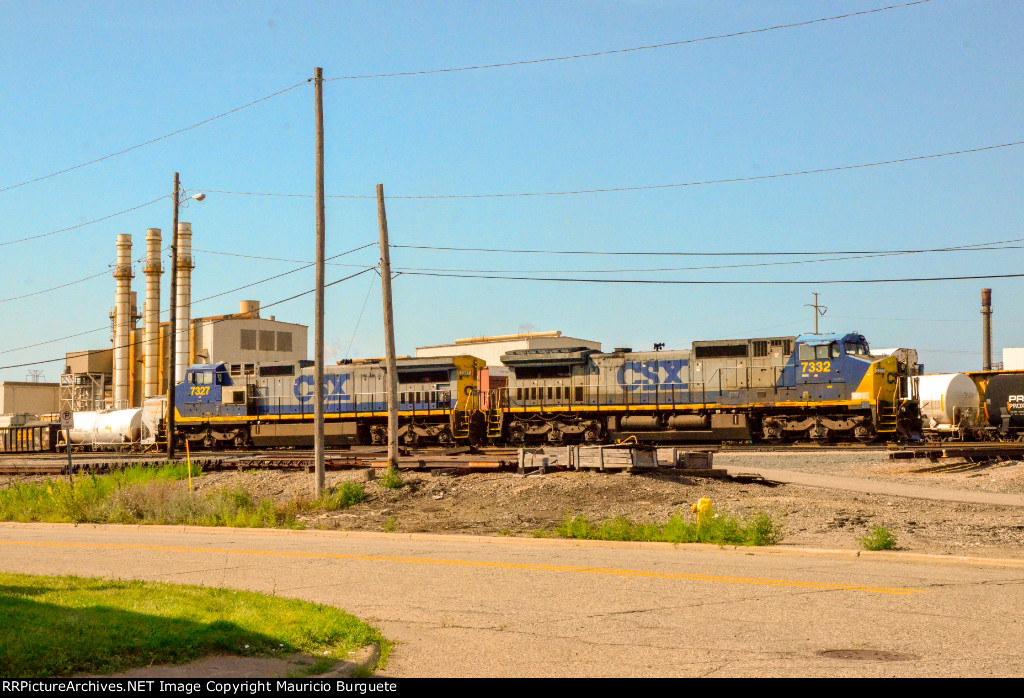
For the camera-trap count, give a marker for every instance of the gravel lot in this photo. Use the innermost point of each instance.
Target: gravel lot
(510, 504)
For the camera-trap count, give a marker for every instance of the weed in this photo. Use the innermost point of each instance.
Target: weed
(878, 538)
(721, 529)
(390, 525)
(390, 478)
(343, 497)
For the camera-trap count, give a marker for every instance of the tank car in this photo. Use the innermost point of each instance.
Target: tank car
(819, 387)
(271, 404)
(949, 406)
(1002, 402)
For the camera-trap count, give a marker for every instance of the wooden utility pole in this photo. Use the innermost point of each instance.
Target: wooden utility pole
(171, 325)
(389, 330)
(318, 333)
(819, 310)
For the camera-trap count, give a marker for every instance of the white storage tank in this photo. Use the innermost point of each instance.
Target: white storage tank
(946, 399)
(107, 428)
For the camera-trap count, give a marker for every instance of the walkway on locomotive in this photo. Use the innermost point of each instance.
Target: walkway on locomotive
(825, 370)
(426, 387)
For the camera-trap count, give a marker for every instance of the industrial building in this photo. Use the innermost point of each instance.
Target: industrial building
(27, 397)
(136, 365)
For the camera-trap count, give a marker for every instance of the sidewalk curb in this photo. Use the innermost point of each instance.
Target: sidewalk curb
(361, 663)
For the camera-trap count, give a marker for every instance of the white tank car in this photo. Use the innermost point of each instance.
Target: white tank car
(107, 429)
(946, 400)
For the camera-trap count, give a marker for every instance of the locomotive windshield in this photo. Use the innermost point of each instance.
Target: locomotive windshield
(857, 348)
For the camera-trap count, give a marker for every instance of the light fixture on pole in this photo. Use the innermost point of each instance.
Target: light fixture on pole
(171, 329)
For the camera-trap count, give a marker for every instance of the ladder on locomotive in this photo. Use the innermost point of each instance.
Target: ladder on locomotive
(497, 400)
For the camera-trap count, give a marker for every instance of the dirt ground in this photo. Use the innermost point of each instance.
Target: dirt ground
(511, 504)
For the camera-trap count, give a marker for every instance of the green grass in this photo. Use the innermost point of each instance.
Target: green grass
(160, 495)
(722, 529)
(878, 538)
(390, 478)
(390, 525)
(61, 626)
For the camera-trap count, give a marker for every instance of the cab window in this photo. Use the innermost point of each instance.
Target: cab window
(856, 348)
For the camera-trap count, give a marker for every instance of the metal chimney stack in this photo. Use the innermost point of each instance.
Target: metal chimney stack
(122, 320)
(153, 270)
(183, 343)
(986, 329)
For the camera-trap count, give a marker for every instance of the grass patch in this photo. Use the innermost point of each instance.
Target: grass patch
(390, 525)
(102, 626)
(878, 538)
(722, 529)
(160, 495)
(390, 479)
(342, 497)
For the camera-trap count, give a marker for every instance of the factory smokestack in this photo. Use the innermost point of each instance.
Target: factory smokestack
(122, 320)
(153, 271)
(986, 329)
(182, 340)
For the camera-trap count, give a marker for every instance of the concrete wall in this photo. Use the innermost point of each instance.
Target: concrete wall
(249, 340)
(18, 397)
(1013, 359)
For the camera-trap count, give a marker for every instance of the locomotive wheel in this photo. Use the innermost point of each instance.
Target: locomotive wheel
(592, 434)
(556, 438)
(209, 442)
(863, 433)
(517, 434)
(773, 431)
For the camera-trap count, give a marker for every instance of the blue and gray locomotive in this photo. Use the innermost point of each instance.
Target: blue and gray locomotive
(271, 405)
(818, 387)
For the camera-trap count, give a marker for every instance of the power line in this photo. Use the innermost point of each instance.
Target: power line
(216, 295)
(211, 322)
(607, 190)
(54, 288)
(82, 225)
(626, 50)
(154, 140)
(716, 282)
(980, 246)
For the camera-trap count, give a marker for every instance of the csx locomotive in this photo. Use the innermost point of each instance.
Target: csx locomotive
(268, 405)
(818, 387)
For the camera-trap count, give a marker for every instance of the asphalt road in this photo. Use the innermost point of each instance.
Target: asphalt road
(468, 606)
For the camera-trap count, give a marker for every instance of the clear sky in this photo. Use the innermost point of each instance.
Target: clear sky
(83, 80)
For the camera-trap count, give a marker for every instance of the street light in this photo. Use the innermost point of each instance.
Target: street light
(174, 314)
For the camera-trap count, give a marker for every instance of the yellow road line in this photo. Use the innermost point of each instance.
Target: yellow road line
(483, 563)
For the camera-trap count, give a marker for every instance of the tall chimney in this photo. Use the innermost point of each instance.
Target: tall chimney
(986, 329)
(183, 345)
(122, 320)
(151, 379)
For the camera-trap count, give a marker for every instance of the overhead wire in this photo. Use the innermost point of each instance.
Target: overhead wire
(715, 282)
(606, 190)
(609, 52)
(166, 311)
(979, 246)
(82, 225)
(157, 139)
(211, 322)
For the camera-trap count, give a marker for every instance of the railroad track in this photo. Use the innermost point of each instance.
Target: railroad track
(483, 459)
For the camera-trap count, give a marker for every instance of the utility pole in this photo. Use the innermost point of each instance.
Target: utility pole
(818, 310)
(389, 330)
(171, 325)
(318, 333)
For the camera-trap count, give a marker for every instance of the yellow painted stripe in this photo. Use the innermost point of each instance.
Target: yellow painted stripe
(483, 563)
(703, 406)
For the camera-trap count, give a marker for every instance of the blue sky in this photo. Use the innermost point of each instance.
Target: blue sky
(83, 80)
